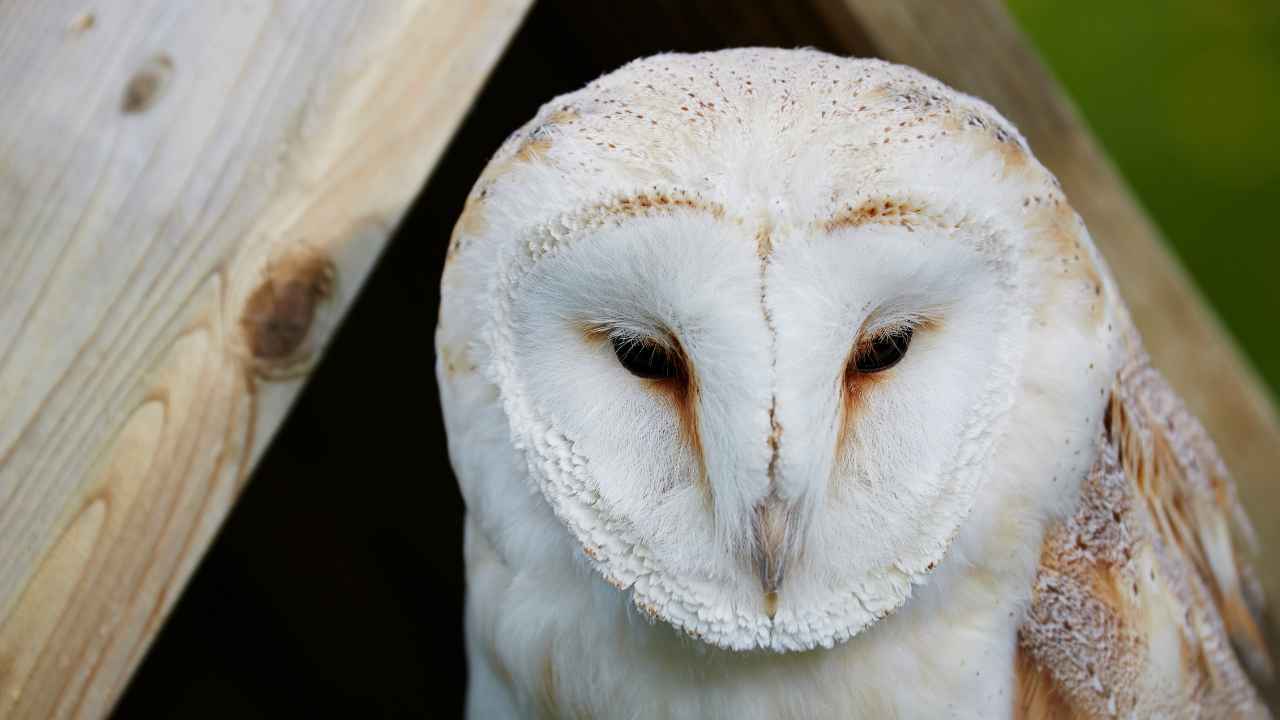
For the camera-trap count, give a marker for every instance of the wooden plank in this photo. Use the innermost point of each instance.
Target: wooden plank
(190, 195)
(976, 47)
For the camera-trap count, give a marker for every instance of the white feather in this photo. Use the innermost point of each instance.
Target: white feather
(725, 199)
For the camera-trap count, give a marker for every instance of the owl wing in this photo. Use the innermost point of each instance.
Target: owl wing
(1143, 605)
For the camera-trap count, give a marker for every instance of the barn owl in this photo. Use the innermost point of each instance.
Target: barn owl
(785, 385)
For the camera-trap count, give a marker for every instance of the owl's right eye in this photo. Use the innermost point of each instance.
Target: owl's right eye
(646, 358)
(883, 350)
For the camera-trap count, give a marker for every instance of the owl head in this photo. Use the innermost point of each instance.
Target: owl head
(754, 325)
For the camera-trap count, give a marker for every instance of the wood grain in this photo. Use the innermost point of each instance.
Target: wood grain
(975, 47)
(190, 195)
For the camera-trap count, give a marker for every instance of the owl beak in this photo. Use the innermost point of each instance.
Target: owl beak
(771, 525)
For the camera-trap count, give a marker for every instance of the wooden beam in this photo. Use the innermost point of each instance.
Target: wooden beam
(975, 46)
(191, 193)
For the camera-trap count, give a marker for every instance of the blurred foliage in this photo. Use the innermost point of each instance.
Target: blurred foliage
(1185, 96)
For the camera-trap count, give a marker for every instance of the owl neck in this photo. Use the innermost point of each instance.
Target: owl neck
(556, 641)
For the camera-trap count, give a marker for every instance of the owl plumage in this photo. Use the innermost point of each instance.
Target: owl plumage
(1140, 595)
(779, 384)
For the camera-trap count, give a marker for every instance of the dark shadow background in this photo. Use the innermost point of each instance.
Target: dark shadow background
(335, 587)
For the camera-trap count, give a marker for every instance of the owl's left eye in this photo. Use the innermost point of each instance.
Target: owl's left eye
(646, 358)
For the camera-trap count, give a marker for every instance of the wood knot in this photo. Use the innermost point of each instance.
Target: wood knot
(278, 316)
(147, 85)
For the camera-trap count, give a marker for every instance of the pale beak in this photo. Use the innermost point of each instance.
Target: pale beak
(771, 525)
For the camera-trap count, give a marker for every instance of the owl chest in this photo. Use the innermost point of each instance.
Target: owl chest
(560, 643)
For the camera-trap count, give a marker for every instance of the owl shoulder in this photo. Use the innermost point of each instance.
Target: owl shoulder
(1143, 603)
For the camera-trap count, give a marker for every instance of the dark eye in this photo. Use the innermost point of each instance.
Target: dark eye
(883, 350)
(646, 358)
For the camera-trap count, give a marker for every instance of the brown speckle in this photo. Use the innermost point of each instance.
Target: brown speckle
(534, 148)
(456, 360)
(1012, 153)
(884, 211)
(764, 242)
(470, 223)
(566, 115)
(147, 85)
(82, 22)
(539, 140)
(647, 203)
(1060, 243)
(279, 313)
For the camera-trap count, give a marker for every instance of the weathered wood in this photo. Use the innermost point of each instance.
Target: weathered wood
(976, 47)
(190, 195)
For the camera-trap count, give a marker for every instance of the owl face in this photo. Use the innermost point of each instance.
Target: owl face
(757, 359)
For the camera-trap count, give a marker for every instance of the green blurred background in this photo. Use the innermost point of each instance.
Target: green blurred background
(1185, 96)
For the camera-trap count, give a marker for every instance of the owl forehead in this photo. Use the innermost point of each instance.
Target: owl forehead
(801, 135)
(785, 143)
